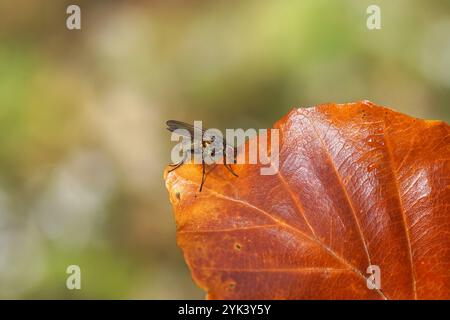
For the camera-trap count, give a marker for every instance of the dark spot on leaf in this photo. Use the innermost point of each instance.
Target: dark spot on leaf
(231, 285)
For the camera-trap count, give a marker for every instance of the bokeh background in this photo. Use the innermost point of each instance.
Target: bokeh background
(82, 136)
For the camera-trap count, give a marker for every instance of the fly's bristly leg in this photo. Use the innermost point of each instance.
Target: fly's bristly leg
(228, 166)
(177, 165)
(203, 174)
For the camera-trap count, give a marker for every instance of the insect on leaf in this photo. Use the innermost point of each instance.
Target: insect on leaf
(358, 185)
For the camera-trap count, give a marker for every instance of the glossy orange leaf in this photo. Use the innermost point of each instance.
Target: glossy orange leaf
(358, 185)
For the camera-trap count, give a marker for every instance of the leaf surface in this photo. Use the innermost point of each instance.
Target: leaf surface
(358, 185)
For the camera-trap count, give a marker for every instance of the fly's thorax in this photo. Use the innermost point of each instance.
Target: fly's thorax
(212, 151)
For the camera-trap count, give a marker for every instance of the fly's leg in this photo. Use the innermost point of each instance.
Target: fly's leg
(203, 174)
(177, 165)
(228, 166)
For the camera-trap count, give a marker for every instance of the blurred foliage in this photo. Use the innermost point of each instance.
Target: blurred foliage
(82, 138)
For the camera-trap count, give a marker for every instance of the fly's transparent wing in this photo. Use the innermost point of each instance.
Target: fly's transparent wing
(173, 125)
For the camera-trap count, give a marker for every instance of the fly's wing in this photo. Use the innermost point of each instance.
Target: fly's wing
(172, 125)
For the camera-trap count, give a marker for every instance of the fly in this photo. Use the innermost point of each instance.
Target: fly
(197, 147)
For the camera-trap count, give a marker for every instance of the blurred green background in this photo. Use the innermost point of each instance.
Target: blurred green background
(82, 136)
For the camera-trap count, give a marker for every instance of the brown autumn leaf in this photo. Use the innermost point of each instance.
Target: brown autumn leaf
(358, 185)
